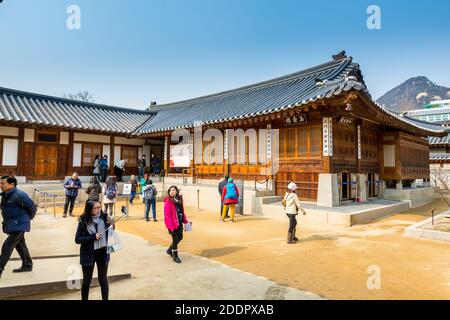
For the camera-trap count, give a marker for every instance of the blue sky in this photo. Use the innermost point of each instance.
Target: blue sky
(129, 53)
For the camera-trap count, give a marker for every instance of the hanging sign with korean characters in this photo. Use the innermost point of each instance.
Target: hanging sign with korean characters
(327, 136)
(295, 119)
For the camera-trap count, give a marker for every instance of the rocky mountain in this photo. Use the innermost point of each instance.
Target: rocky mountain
(413, 94)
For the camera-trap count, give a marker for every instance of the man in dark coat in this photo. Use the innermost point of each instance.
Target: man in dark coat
(72, 185)
(17, 210)
(222, 185)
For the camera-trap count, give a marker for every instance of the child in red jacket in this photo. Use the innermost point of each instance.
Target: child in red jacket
(174, 217)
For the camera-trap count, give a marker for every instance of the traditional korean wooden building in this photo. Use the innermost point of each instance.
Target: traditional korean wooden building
(328, 126)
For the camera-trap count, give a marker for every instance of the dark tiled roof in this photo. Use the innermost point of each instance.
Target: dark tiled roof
(439, 141)
(31, 108)
(261, 98)
(440, 157)
(321, 82)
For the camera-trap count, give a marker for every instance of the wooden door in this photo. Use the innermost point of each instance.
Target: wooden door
(46, 160)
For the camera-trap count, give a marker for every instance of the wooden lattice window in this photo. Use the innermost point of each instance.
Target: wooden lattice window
(130, 154)
(90, 150)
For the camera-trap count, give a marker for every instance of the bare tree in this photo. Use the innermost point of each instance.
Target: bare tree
(84, 96)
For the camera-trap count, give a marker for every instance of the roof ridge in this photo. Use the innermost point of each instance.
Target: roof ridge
(71, 101)
(303, 73)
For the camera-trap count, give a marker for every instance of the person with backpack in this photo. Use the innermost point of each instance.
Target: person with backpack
(96, 172)
(230, 196)
(150, 194)
(134, 185)
(94, 189)
(104, 168)
(143, 184)
(18, 209)
(72, 185)
(222, 185)
(174, 218)
(109, 193)
(292, 205)
(92, 236)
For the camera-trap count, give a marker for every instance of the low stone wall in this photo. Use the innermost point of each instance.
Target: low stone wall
(416, 197)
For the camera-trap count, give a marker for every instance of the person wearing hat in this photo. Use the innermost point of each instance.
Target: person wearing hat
(291, 206)
(230, 196)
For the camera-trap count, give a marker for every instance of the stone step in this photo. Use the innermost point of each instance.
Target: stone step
(270, 199)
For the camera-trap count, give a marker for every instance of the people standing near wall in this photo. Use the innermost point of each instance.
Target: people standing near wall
(292, 205)
(230, 197)
(109, 193)
(104, 168)
(119, 168)
(134, 183)
(17, 210)
(174, 217)
(142, 163)
(96, 165)
(72, 185)
(92, 235)
(222, 185)
(150, 194)
(94, 189)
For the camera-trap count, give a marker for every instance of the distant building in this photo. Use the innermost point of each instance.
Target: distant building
(436, 111)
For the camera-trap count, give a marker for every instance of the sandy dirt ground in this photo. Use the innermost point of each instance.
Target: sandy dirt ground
(333, 262)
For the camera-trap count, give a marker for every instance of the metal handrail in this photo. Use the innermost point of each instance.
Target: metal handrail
(46, 194)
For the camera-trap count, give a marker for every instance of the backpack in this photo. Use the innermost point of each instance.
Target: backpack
(231, 191)
(111, 192)
(149, 194)
(284, 200)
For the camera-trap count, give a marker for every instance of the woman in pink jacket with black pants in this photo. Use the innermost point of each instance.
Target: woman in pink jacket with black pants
(174, 217)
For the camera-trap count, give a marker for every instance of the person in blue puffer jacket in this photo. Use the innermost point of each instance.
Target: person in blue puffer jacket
(72, 185)
(17, 210)
(230, 197)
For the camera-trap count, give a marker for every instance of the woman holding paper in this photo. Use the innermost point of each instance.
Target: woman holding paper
(92, 235)
(174, 217)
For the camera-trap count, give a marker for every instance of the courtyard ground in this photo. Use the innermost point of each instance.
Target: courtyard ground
(333, 262)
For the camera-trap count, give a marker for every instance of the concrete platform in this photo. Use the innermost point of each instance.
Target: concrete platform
(345, 215)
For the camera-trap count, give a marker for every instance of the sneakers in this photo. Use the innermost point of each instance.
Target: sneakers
(23, 269)
(71, 214)
(169, 252)
(147, 220)
(154, 220)
(65, 215)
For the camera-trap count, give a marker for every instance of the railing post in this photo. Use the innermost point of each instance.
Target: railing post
(54, 205)
(45, 202)
(198, 199)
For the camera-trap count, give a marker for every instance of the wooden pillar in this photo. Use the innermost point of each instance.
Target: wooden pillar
(70, 155)
(191, 155)
(327, 143)
(111, 156)
(20, 153)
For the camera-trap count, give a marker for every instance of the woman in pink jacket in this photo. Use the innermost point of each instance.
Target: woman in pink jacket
(174, 217)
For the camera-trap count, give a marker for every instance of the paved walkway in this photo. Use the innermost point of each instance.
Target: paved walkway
(155, 276)
(333, 262)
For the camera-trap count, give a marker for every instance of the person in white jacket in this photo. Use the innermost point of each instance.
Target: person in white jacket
(291, 209)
